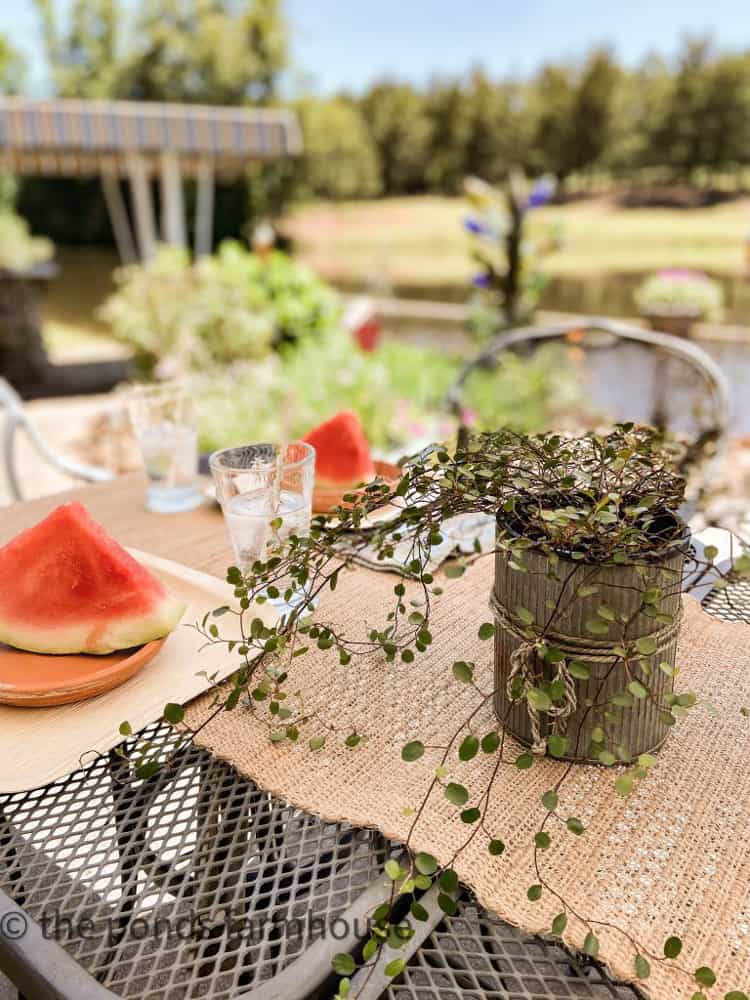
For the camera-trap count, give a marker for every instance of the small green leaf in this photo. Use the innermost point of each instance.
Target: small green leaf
(624, 784)
(705, 976)
(524, 761)
(471, 815)
(557, 745)
(539, 699)
(525, 615)
(343, 964)
(642, 967)
(425, 863)
(486, 631)
(412, 751)
(469, 748)
(126, 729)
(559, 923)
(392, 869)
(591, 945)
(587, 591)
(646, 645)
(463, 672)
(534, 892)
(575, 826)
(449, 880)
(638, 690)
(542, 840)
(606, 757)
(447, 904)
(490, 742)
(418, 911)
(395, 968)
(317, 742)
(174, 714)
(604, 611)
(597, 627)
(550, 800)
(456, 793)
(496, 848)
(672, 947)
(579, 670)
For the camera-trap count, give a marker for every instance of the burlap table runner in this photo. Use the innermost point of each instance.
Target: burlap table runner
(672, 858)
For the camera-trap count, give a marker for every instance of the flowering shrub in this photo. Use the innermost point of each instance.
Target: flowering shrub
(236, 305)
(19, 250)
(398, 392)
(681, 292)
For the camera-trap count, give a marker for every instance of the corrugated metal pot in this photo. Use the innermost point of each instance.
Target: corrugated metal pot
(639, 729)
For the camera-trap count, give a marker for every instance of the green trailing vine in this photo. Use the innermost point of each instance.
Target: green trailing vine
(587, 505)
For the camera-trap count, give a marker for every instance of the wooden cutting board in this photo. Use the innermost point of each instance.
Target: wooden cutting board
(40, 745)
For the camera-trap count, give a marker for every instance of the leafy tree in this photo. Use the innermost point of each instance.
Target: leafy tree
(591, 111)
(446, 106)
(84, 60)
(12, 68)
(210, 51)
(553, 99)
(498, 127)
(401, 131)
(340, 159)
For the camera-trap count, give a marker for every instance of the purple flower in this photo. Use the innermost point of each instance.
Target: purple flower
(541, 192)
(477, 227)
(483, 280)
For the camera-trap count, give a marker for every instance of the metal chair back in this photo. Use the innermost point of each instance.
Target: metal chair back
(599, 333)
(17, 419)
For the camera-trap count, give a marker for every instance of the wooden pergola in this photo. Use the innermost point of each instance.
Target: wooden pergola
(137, 142)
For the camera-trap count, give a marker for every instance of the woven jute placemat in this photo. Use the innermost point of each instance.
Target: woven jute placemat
(673, 858)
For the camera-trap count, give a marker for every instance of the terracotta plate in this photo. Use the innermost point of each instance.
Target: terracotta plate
(325, 499)
(40, 679)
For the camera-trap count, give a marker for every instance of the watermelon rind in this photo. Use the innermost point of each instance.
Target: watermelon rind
(100, 640)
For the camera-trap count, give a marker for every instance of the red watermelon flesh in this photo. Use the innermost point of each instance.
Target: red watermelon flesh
(66, 586)
(342, 454)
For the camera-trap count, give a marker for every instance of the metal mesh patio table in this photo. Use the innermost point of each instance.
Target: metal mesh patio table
(196, 883)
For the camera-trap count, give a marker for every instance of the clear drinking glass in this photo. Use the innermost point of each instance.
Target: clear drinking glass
(257, 483)
(163, 418)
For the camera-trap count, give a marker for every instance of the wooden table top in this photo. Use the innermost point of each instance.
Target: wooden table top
(196, 538)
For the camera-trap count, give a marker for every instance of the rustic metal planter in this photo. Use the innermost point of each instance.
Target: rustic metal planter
(639, 729)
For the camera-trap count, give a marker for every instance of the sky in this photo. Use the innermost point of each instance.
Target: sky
(345, 44)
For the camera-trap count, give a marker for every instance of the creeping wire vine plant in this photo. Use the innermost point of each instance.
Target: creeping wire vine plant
(593, 503)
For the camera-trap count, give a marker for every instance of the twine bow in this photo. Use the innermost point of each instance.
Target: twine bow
(524, 665)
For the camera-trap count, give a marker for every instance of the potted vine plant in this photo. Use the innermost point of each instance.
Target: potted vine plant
(673, 300)
(590, 561)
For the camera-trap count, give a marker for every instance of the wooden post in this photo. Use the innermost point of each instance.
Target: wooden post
(143, 208)
(204, 210)
(172, 207)
(118, 216)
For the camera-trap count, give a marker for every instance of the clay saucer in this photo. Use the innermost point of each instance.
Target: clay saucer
(326, 499)
(38, 680)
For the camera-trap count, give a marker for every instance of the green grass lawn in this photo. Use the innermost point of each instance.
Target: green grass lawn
(420, 240)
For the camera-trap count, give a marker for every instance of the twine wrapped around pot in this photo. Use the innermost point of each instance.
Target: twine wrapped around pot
(639, 729)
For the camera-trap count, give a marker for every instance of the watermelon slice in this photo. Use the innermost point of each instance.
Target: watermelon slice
(67, 587)
(342, 454)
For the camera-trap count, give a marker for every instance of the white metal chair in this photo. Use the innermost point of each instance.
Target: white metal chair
(16, 419)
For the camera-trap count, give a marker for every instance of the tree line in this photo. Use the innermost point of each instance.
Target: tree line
(684, 120)
(687, 121)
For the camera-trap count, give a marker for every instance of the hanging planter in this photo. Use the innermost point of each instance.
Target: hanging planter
(573, 636)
